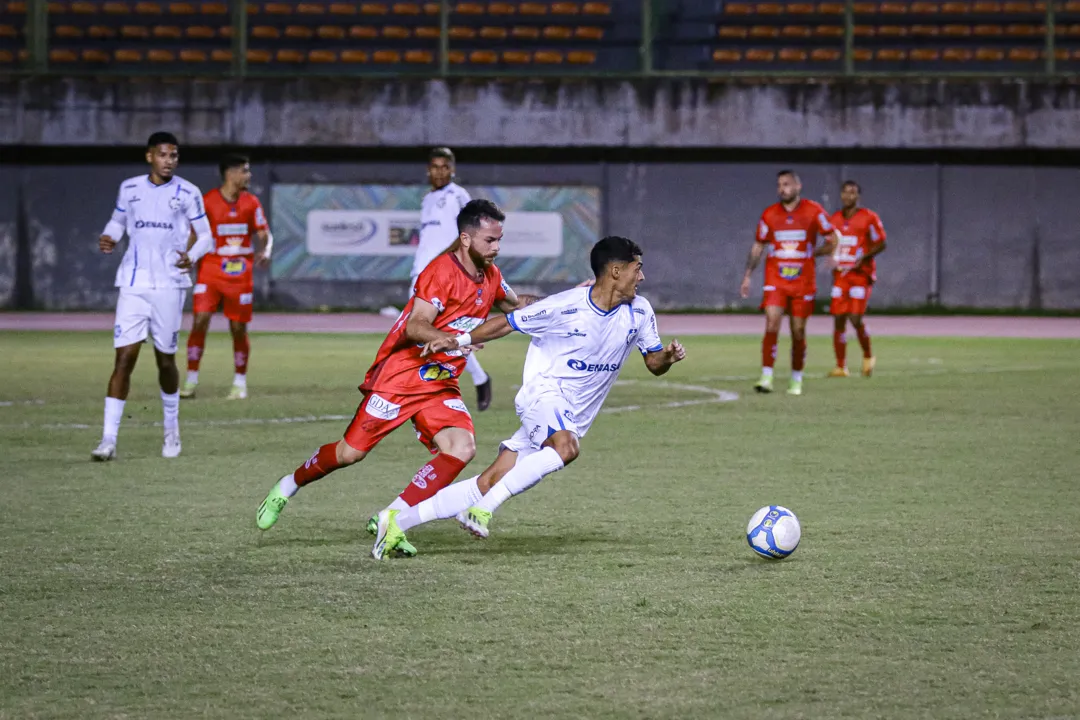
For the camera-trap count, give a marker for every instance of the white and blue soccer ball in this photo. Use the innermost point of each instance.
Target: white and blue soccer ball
(773, 532)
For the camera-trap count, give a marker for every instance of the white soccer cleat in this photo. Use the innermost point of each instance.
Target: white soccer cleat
(238, 393)
(171, 447)
(106, 450)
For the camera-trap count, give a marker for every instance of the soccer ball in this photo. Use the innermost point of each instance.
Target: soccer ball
(773, 532)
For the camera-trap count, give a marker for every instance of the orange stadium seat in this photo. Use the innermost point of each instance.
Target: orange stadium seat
(726, 56)
(456, 57)
(926, 54)
(225, 31)
(462, 33)
(116, 8)
(565, 8)
(925, 8)
(168, 32)
(988, 30)
(483, 57)
(308, 8)
(9, 31)
(893, 8)
(493, 33)
(525, 33)
(824, 55)
(986, 8)
(1023, 54)
(61, 31)
(193, 56)
(84, 8)
(989, 54)
(342, 9)
(735, 32)
(426, 32)
(149, 8)
(6, 56)
(353, 56)
(221, 55)
(957, 54)
(796, 31)
(892, 31)
(63, 56)
(469, 8)
(419, 57)
(181, 8)
(865, 8)
(501, 8)
(406, 8)
(532, 8)
(830, 8)
(1022, 7)
(259, 56)
(134, 32)
(956, 8)
(290, 56)
(581, 57)
(374, 9)
(322, 57)
(764, 31)
(126, 55)
(829, 31)
(925, 30)
(548, 57)
(16, 8)
(596, 8)
(161, 56)
(760, 55)
(1019, 30)
(793, 55)
(299, 32)
(277, 8)
(558, 32)
(95, 56)
(214, 8)
(738, 8)
(800, 8)
(769, 8)
(330, 32)
(891, 55)
(363, 32)
(200, 32)
(868, 31)
(956, 30)
(516, 57)
(101, 32)
(386, 56)
(265, 32)
(396, 32)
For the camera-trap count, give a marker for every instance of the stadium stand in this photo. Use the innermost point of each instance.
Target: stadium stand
(979, 35)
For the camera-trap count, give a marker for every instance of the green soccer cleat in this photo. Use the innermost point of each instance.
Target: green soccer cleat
(475, 521)
(764, 385)
(373, 525)
(237, 393)
(188, 391)
(794, 387)
(389, 537)
(271, 508)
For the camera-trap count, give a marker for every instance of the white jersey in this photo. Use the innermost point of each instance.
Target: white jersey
(438, 223)
(577, 349)
(157, 220)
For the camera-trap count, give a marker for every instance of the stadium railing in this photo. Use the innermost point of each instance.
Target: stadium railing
(613, 39)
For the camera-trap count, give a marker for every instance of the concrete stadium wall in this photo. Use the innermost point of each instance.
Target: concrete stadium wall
(541, 113)
(986, 237)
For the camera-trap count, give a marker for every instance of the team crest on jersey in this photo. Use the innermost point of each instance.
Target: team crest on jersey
(466, 324)
(233, 266)
(631, 335)
(436, 371)
(479, 296)
(174, 203)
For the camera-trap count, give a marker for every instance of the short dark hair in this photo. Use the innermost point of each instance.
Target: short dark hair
(853, 184)
(476, 211)
(230, 161)
(792, 173)
(161, 138)
(441, 152)
(612, 249)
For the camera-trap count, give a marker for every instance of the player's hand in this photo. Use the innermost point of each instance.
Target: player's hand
(441, 345)
(184, 262)
(106, 244)
(744, 289)
(261, 259)
(675, 352)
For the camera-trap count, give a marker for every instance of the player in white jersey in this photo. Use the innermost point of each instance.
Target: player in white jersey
(438, 230)
(580, 340)
(157, 211)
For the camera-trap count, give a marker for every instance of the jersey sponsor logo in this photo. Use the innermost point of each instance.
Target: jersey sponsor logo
(380, 407)
(246, 298)
(639, 311)
(505, 287)
(790, 235)
(438, 304)
(533, 316)
(456, 404)
(790, 271)
(582, 366)
(422, 477)
(848, 241)
(142, 224)
(234, 266)
(571, 311)
(226, 229)
(432, 372)
(466, 323)
(575, 333)
(857, 292)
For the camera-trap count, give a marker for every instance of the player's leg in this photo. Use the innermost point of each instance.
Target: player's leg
(167, 314)
(860, 296)
(204, 302)
(375, 418)
(241, 353)
(129, 331)
(801, 309)
(774, 316)
(839, 341)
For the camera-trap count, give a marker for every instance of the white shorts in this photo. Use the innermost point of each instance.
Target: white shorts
(157, 310)
(545, 416)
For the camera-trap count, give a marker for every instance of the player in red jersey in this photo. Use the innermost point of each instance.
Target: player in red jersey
(225, 275)
(789, 230)
(454, 293)
(862, 238)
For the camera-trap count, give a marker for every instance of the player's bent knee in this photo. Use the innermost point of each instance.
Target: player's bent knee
(566, 444)
(457, 442)
(348, 455)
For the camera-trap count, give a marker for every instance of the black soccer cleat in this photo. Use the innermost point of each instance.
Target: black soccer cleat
(483, 395)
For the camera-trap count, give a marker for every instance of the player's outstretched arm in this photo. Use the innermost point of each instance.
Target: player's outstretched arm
(491, 330)
(660, 362)
(752, 261)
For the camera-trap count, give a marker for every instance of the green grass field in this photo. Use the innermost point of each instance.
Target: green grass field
(939, 574)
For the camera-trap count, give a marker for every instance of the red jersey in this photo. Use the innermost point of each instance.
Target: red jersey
(858, 235)
(791, 237)
(233, 224)
(463, 303)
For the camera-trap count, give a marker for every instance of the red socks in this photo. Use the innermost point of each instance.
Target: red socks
(864, 339)
(319, 465)
(839, 344)
(432, 478)
(241, 349)
(798, 355)
(768, 349)
(195, 343)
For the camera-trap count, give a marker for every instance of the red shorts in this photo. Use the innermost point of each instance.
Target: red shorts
(380, 413)
(849, 297)
(796, 305)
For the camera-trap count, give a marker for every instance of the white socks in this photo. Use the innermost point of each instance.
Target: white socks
(766, 372)
(524, 475)
(447, 503)
(398, 504)
(192, 377)
(287, 485)
(170, 406)
(240, 381)
(472, 365)
(796, 375)
(114, 412)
